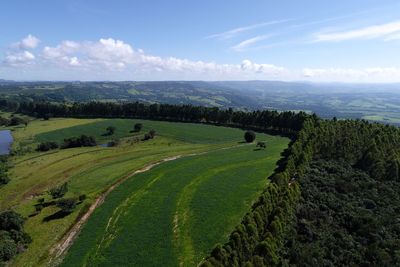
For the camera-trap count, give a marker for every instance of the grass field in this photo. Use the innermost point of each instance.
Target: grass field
(186, 132)
(175, 213)
(91, 170)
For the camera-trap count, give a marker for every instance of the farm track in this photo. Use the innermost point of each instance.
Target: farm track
(60, 249)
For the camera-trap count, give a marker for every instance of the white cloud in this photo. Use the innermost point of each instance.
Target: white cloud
(116, 60)
(234, 32)
(19, 58)
(246, 43)
(370, 32)
(376, 74)
(29, 42)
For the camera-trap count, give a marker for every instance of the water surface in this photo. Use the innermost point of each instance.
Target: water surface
(6, 141)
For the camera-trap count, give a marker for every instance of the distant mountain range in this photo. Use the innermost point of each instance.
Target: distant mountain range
(377, 102)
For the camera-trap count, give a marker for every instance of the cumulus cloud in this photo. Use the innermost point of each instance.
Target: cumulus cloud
(370, 32)
(109, 58)
(29, 42)
(115, 55)
(19, 58)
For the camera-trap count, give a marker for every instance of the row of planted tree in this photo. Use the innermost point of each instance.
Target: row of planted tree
(262, 237)
(282, 122)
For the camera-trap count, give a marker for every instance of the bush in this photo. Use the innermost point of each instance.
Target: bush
(152, 133)
(10, 220)
(138, 127)
(46, 146)
(8, 249)
(4, 179)
(81, 141)
(149, 135)
(82, 197)
(113, 143)
(67, 205)
(110, 130)
(261, 145)
(249, 136)
(59, 191)
(17, 121)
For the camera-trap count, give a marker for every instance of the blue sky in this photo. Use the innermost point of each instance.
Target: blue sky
(341, 41)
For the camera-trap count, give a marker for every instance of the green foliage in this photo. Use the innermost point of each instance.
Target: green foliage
(67, 205)
(81, 141)
(110, 130)
(46, 146)
(261, 145)
(249, 136)
(59, 191)
(345, 218)
(12, 235)
(138, 127)
(4, 178)
(216, 189)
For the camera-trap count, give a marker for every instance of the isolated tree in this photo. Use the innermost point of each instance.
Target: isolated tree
(138, 127)
(10, 220)
(67, 205)
(249, 136)
(46, 146)
(261, 145)
(59, 191)
(152, 133)
(110, 130)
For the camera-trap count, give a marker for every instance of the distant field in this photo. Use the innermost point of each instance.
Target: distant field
(90, 170)
(186, 132)
(175, 213)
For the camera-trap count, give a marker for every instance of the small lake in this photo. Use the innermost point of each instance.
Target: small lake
(6, 141)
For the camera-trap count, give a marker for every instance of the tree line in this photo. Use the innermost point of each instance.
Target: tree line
(273, 233)
(287, 122)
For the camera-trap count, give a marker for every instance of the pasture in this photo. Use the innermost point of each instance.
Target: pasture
(175, 213)
(91, 170)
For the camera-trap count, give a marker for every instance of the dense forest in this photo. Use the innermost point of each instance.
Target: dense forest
(281, 122)
(332, 201)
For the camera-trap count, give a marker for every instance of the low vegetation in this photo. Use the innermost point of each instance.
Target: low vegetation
(13, 238)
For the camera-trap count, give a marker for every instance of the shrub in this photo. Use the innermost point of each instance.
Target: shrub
(110, 130)
(46, 146)
(152, 133)
(138, 127)
(261, 145)
(4, 179)
(81, 141)
(10, 220)
(82, 197)
(59, 191)
(8, 249)
(113, 143)
(249, 136)
(67, 205)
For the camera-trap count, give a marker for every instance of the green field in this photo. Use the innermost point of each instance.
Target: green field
(176, 212)
(187, 132)
(91, 170)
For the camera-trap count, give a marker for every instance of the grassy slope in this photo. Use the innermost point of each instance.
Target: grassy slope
(176, 212)
(89, 170)
(187, 132)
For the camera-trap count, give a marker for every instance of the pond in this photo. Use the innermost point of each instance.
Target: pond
(6, 141)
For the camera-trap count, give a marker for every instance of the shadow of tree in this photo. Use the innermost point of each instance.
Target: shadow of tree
(58, 215)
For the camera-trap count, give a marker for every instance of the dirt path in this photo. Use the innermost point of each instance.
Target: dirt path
(62, 246)
(59, 249)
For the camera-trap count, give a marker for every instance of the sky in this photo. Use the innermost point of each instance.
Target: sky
(288, 40)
